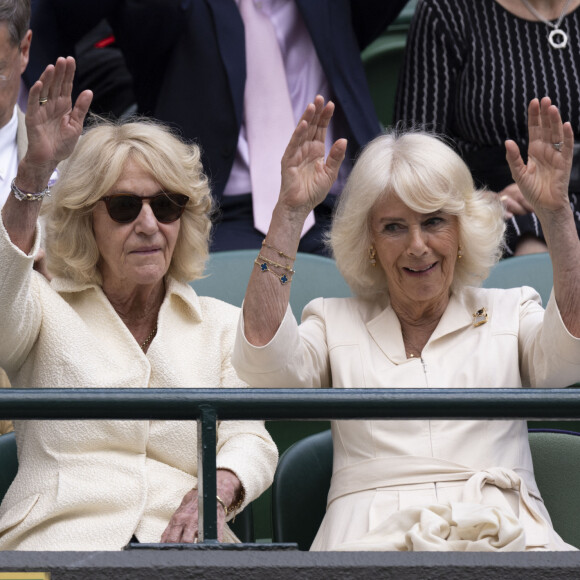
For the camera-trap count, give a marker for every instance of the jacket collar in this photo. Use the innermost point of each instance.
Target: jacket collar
(174, 290)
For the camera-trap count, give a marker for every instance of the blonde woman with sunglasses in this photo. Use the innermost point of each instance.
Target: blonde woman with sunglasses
(127, 227)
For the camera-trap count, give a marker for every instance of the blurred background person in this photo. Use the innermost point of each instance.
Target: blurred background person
(469, 71)
(235, 75)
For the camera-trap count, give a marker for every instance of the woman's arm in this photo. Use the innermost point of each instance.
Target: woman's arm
(306, 179)
(544, 183)
(53, 128)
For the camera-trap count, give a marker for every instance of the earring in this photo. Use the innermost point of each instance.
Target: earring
(459, 252)
(372, 254)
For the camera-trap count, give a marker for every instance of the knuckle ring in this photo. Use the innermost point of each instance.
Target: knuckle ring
(558, 146)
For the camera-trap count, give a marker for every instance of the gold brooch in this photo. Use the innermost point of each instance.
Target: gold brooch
(479, 317)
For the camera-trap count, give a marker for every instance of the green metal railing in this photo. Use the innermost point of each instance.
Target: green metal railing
(208, 405)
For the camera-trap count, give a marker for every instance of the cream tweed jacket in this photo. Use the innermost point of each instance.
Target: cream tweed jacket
(91, 485)
(22, 144)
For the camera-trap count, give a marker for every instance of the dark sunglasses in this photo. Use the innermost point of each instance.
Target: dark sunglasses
(125, 207)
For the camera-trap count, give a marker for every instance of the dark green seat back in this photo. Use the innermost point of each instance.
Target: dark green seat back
(228, 274)
(8, 462)
(382, 61)
(556, 458)
(300, 490)
(533, 270)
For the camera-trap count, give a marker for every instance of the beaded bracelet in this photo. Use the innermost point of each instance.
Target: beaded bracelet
(272, 263)
(27, 196)
(283, 278)
(279, 252)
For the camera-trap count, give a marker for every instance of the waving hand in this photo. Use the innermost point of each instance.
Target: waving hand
(53, 124)
(306, 176)
(544, 180)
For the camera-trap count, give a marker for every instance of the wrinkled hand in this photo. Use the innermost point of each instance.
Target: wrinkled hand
(513, 201)
(544, 180)
(55, 126)
(306, 177)
(184, 527)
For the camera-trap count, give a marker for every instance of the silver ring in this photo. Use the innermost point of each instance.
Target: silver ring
(558, 146)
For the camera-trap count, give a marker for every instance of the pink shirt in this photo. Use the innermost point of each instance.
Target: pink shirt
(305, 79)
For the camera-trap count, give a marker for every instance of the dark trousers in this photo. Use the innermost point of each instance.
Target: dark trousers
(234, 227)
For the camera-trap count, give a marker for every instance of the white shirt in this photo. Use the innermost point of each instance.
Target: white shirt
(8, 156)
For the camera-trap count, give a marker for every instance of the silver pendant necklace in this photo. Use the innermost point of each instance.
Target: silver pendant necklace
(557, 37)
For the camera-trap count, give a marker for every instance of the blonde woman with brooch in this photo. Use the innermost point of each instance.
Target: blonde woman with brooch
(414, 239)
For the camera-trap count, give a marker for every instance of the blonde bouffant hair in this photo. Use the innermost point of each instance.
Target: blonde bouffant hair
(91, 171)
(428, 176)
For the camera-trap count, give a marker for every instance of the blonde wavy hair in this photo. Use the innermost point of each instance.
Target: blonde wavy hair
(90, 173)
(427, 175)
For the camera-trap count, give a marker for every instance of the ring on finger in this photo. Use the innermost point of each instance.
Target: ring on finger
(503, 198)
(42, 100)
(558, 146)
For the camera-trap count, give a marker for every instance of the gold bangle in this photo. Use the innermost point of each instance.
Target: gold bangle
(284, 279)
(279, 252)
(232, 508)
(223, 504)
(272, 263)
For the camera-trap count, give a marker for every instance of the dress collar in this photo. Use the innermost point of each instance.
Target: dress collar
(385, 328)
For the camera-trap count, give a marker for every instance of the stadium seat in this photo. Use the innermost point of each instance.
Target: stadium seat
(304, 471)
(228, 273)
(300, 489)
(382, 61)
(556, 456)
(8, 462)
(533, 270)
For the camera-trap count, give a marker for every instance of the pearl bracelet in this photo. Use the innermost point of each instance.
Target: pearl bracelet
(25, 195)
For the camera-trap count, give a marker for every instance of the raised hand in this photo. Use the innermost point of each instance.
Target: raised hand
(53, 128)
(52, 124)
(306, 176)
(544, 180)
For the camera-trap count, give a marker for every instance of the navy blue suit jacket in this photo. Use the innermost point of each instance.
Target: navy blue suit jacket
(187, 59)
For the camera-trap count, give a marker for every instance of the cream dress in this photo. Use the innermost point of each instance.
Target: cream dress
(419, 484)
